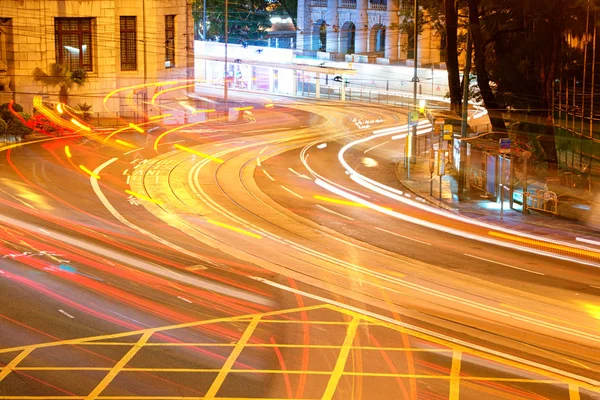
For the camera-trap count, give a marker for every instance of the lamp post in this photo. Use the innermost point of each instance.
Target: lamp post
(225, 80)
(413, 137)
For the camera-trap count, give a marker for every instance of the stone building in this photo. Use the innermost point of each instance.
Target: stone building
(368, 29)
(118, 42)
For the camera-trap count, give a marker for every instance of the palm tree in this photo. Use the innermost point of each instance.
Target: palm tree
(61, 75)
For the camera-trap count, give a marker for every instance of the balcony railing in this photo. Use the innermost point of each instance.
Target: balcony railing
(348, 4)
(318, 3)
(378, 5)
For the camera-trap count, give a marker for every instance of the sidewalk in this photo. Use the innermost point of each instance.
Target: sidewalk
(473, 205)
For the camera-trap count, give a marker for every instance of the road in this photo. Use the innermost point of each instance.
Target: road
(218, 268)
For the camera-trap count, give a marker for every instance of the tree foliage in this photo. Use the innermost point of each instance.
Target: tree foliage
(62, 76)
(248, 20)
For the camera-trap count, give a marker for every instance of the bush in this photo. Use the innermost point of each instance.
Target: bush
(3, 127)
(5, 113)
(16, 128)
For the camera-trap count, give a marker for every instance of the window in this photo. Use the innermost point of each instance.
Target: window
(169, 41)
(73, 39)
(128, 44)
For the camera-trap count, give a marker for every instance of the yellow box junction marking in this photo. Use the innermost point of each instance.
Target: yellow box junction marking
(254, 321)
(198, 153)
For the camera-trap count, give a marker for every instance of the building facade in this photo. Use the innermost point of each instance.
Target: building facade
(118, 42)
(340, 29)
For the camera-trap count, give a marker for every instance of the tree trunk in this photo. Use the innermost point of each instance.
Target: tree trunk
(548, 142)
(63, 95)
(451, 22)
(483, 80)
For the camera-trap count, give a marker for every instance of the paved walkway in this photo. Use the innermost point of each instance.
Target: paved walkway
(582, 222)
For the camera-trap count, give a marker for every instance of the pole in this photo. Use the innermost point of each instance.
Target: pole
(585, 48)
(465, 115)
(204, 30)
(145, 93)
(226, 83)
(593, 76)
(413, 138)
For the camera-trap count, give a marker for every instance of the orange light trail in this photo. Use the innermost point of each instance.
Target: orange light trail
(90, 173)
(142, 197)
(180, 147)
(80, 125)
(540, 243)
(59, 108)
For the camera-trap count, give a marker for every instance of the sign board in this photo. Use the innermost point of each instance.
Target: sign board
(447, 132)
(413, 118)
(438, 125)
(505, 145)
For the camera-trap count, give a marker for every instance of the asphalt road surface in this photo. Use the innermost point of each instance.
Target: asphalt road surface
(245, 260)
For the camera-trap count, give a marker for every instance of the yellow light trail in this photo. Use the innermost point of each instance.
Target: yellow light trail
(124, 143)
(162, 135)
(142, 197)
(67, 151)
(180, 147)
(270, 105)
(154, 118)
(155, 96)
(137, 128)
(233, 228)
(59, 108)
(337, 201)
(80, 125)
(534, 242)
(204, 111)
(243, 108)
(90, 173)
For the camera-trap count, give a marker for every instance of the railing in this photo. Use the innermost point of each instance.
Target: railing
(378, 5)
(478, 179)
(318, 3)
(542, 200)
(348, 4)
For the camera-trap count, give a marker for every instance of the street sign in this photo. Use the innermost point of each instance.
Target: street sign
(447, 132)
(438, 125)
(413, 118)
(504, 145)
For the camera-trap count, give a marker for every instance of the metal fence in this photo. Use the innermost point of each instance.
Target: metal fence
(542, 200)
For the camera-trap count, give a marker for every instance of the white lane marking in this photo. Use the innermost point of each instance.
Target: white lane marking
(130, 319)
(299, 175)
(294, 193)
(506, 265)
(268, 176)
(595, 287)
(258, 161)
(433, 334)
(44, 231)
(333, 212)
(589, 241)
(402, 236)
(134, 150)
(184, 299)
(153, 268)
(126, 171)
(128, 179)
(66, 314)
(263, 150)
(322, 146)
(374, 147)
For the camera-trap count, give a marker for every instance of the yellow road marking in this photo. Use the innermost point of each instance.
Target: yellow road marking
(90, 173)
(545, 244)
(338, 370)
(574, 392)
(14, 362)
(455, 376)
(233, 228)
(142, 197)
(119, 366)
(180, 147)
(216, 385)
